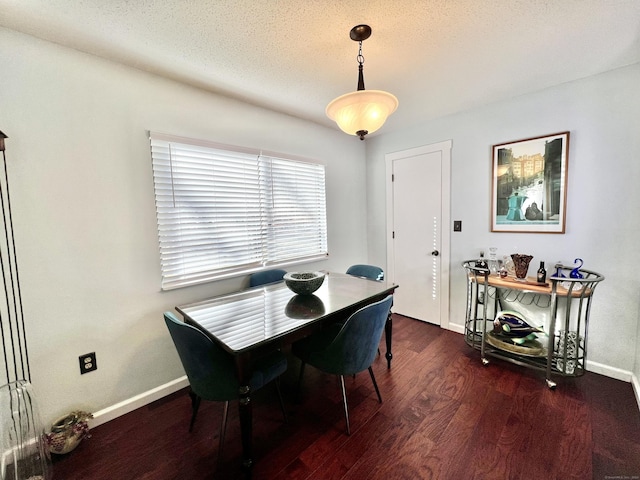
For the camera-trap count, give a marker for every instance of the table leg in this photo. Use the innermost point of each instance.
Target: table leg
(387, 335)
(245, 410)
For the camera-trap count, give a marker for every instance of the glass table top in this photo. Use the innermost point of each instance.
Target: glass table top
(242, 320)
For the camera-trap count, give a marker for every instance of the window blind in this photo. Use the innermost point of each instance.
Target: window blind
(222, 211)
(297, 210)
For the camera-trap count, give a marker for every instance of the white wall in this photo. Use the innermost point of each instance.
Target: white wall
(84, 213)
(603, 207)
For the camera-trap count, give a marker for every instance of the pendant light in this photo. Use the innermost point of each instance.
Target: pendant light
(363, 111)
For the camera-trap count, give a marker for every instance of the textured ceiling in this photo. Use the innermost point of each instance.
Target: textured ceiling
(437, 56)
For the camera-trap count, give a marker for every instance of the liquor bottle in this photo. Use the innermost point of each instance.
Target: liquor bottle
(542, 274)
(482, 263)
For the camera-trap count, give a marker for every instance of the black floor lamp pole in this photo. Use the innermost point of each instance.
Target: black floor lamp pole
(12, 327)
(22, 435)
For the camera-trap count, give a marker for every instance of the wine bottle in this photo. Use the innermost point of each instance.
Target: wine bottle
(542, 274)
(482, 263)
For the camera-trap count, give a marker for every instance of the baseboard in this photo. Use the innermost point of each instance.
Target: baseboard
(636, 388)
(454, 327)
(107, 414)
(607, 371)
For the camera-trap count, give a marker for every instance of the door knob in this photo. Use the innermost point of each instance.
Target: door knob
(435, 253)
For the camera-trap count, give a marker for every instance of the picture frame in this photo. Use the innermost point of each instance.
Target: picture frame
(529, 185)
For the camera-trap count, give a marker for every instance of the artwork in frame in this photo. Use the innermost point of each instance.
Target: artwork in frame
(529, 185)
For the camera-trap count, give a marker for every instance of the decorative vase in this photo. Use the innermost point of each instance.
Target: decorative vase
(521, 263)
(67, 432)
(24, 453)
(559, 274)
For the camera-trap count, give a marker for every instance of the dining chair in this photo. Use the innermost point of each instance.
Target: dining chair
(266, 276)
(212, 373)
(367, 271)
(346, 349)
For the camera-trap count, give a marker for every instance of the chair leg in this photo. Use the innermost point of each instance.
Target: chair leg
(195, 404)
(284, 412)
(344, 402)
(223, 429)
(375, 385)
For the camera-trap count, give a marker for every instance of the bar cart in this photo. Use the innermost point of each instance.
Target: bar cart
(561, 308)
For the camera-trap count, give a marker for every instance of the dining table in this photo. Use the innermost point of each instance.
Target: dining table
(256, 321)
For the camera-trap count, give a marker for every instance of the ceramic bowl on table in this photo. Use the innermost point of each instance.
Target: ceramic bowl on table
(304, 283)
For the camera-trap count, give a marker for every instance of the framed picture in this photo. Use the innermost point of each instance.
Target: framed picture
(529, 185)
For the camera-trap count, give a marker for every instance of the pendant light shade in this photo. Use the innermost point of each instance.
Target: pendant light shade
(363, 111)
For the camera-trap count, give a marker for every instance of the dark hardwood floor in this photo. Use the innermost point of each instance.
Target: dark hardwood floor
(444, 416)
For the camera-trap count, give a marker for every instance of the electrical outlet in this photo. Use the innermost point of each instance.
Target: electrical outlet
(88, 363)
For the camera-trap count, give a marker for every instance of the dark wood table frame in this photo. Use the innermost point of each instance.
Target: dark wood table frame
(291, 317)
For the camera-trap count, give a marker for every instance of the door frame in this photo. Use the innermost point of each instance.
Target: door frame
(445, 248)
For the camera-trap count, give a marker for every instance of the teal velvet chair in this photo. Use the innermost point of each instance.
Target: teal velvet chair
(346, 349)
(266, 276)
(212, 372)
(367, 271)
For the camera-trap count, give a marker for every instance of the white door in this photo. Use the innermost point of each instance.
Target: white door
(418, 231)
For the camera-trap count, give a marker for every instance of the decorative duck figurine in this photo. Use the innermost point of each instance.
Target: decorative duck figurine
(575, 273)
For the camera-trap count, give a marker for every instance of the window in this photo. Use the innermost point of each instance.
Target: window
(223, 211)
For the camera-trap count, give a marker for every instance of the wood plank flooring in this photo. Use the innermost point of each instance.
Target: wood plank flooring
(444, 416)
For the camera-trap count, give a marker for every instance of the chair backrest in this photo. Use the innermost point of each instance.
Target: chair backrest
(356, 346)
(211, 370)
(266, 276)
(368, 271)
